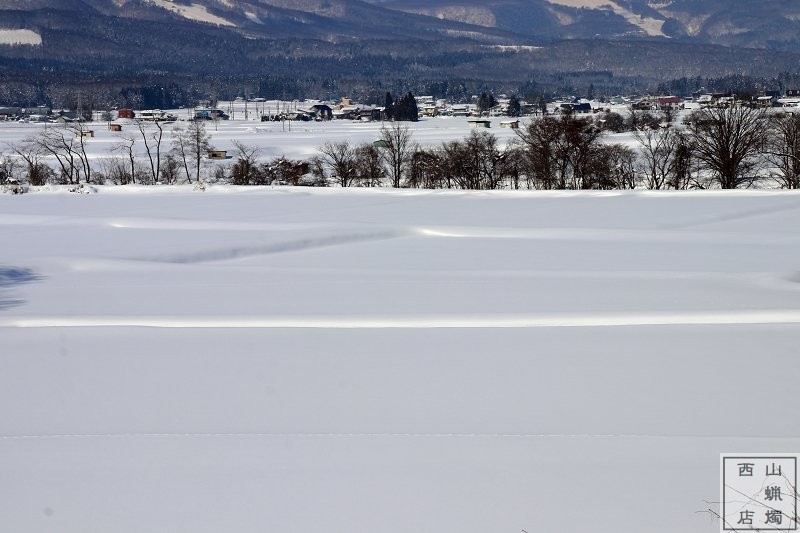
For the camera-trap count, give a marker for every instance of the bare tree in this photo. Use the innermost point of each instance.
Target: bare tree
(427, 170)
(539, 148)
(729, 141)
(339, 158)
(199, 144)
(783, 149)
(398, 145)
(560, 153)
(79, 148)
(170, 170)
(152, 133)
(615, 167)
(683, 162)
(369, 167)
(246, 171)
(31, 154)
(190, 145)
(125, 146)
(180, 147)
(475, 163)
(8, 170)
(657, 151)
(60, 144)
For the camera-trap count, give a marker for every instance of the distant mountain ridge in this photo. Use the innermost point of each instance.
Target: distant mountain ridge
(763, 24)
(335, 47)
(329, 20)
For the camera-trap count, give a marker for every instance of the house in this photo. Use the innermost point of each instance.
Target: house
(765, 101)
(669, 102)
(9, 113)
(575, 107)
(115, 127)
(429, 110)
(206, 113)
(358, 112)
(69, 116)
(218, 154)
(460, 110)
(513, 124)
(479, 123)
(704, 100)
(348, 112)
(322, 111)
(156, 115)
(582, 107)
(126, 113)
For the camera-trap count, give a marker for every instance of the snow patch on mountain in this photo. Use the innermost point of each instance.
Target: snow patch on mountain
(193, 12)
(20, 37)
(651, 26)
(480, 16)
(253, 17)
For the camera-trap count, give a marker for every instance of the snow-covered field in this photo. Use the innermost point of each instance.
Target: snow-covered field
(294, 140)
(380, 360)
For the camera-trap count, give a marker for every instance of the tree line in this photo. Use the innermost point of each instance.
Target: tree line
(58, 155)
(723, 148)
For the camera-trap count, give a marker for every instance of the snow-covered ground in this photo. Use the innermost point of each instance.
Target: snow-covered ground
(381, 360)
(294, 140)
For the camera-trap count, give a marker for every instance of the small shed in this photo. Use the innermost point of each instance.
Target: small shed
(480, 123)
(126, 113)
(115, 127)
(218, 154)
(86, 133)
(513, 124)
(380, 143)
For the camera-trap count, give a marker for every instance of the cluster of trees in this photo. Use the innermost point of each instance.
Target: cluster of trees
(717, 147)
(405, 109)
(720, 147)
(166, 161)
(249, 170)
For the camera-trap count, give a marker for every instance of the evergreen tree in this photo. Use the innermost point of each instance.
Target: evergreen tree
(486, 101)
(514, 107)
(406, 108)
(389, 106)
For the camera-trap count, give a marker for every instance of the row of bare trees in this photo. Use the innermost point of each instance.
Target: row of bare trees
(181, 160)
(727, 148)
(717, 147)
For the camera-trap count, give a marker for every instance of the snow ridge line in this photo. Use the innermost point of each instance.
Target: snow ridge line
(688, 318)
(377, 435)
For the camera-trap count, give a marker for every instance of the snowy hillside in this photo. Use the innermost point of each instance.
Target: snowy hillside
(380, 360)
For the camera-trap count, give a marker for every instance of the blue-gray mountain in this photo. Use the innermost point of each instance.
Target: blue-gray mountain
(290, 48)
(741, 23)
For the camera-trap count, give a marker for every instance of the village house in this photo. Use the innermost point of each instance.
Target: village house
(479, 122)
(673, 103)
(10, 113)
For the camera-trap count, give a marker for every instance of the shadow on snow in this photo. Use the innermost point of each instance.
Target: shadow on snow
(10, 277)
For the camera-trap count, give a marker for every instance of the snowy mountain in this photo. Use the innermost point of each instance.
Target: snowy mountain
(330, 20)
(331, 47)
(765, 24)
